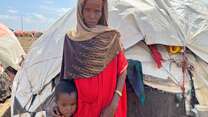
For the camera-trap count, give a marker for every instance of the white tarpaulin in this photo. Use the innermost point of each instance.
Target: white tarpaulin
(175, 22)
(159, 78)
(10, 48)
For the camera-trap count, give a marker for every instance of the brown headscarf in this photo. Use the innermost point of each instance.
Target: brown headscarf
(83, 32)
(87, 51)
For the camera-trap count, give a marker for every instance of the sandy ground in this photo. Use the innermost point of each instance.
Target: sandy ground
(26, 42)
(4, 107)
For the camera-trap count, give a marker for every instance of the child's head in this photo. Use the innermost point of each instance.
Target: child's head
(66, 97)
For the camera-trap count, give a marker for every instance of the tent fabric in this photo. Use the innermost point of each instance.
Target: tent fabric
(201, 81)
(10, 48)
(169, 77)
(174, 22)
(135, 20)
(141, 52)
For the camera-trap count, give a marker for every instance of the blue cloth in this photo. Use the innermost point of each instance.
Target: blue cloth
(135, 78)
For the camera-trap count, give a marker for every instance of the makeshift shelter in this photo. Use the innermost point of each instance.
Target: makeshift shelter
(141, 22)
(11, 51)
(10, 55)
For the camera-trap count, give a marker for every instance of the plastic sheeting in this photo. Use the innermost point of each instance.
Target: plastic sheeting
(10, 48)
(169, 78)
(170, 73)
(175, 22)
(201, 81)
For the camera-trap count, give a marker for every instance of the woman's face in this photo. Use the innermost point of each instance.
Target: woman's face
(92, 12)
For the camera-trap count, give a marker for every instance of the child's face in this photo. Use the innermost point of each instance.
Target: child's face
(67, 104)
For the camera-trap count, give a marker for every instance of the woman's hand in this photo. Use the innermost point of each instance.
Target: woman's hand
(110, 110)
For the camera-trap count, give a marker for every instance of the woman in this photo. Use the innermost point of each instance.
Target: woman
(93, 57)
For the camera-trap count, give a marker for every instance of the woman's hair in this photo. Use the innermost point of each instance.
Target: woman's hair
(65, 86)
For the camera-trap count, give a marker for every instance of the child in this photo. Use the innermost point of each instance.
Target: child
(66, 98)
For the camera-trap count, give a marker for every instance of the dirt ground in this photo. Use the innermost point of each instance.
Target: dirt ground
(5, 109)
(26, 42)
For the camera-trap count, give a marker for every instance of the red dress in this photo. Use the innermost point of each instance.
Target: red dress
(95, 93)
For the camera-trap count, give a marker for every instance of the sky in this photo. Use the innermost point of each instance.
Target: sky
(36, 15)
(206, 1)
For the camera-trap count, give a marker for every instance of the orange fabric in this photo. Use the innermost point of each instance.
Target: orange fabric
(96, 93)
